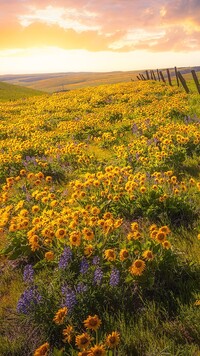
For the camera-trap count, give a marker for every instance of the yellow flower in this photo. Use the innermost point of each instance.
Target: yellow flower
(137, 267)
(35, 208)
(83, 340)
(75, 238)
(165, 229)
(160, 236)
(148, 255)
(39, 175)
(33, 242)
(95, 210)
(88, 250)
(67, 333)
(60, 316)
(49, 256)
(197, 302)
(88, 234)
(152, 227)
(107, 216)
(134, 226)
(143, 189)
(110, 254)
(166, 244)
(22, 172)
(42, 350)
(97, 350)
(113, 339)
(123, 255)
(60, 233)
(83, 353)
(92, 322)
(48, 179)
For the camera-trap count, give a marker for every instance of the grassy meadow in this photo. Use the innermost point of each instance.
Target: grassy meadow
(100, 223)
(9, 92)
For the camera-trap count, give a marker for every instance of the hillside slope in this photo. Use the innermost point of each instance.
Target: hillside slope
(15, 92)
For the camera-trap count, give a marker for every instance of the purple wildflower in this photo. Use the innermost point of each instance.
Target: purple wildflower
(96, 260)
(98, 275)
(28, 300)
(84, 266)
(81, 288)
(28, 274)
(70, 298)
(65, 257)
(114, 277)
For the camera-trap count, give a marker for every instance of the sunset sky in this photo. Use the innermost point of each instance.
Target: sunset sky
(98, 35)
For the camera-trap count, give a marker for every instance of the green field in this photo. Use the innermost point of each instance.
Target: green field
(15, 92)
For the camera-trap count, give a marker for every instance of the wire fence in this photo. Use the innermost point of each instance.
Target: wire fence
(166, 76)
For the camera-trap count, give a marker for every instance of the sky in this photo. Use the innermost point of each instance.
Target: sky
(42, 36)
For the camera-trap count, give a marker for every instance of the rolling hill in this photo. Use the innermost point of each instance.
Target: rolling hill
(15, 92)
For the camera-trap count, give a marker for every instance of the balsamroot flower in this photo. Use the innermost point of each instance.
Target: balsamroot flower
(60, 316)
(123, 255)
(113, 339)
(92, 322)
(148, 255)
(97, 350)
(137, 267)
(43, 350)
(110, 254)
(83, 340)
(68, 333)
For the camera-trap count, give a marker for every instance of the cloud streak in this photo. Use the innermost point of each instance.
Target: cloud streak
(106, 25)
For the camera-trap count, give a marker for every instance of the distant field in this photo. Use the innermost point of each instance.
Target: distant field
(56, 82)
(68, 81)
(15, 92)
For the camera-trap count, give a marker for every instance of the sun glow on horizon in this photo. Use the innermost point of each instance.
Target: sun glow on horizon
(53, 59)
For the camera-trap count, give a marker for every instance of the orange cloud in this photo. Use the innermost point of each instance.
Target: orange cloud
(40, 35)
(114, 25)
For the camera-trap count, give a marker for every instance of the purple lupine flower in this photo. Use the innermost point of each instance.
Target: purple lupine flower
(98, 275)
(114, 277)
(81, 288)
(84, 266)
(28, 274)
(69, 298)
(96, 260)
(65, 257)
(28, 300)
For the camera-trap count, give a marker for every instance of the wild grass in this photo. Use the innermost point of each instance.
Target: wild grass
(16, 92)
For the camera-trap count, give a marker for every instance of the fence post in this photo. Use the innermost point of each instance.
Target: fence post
(162, 77)
(137, 76)
(154, 77)
(196, 80)
(169, 78)
(147, 74)
(158, 74)
(176, 73)
(183, 82)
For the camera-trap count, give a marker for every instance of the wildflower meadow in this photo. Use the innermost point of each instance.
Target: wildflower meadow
(99, 222)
